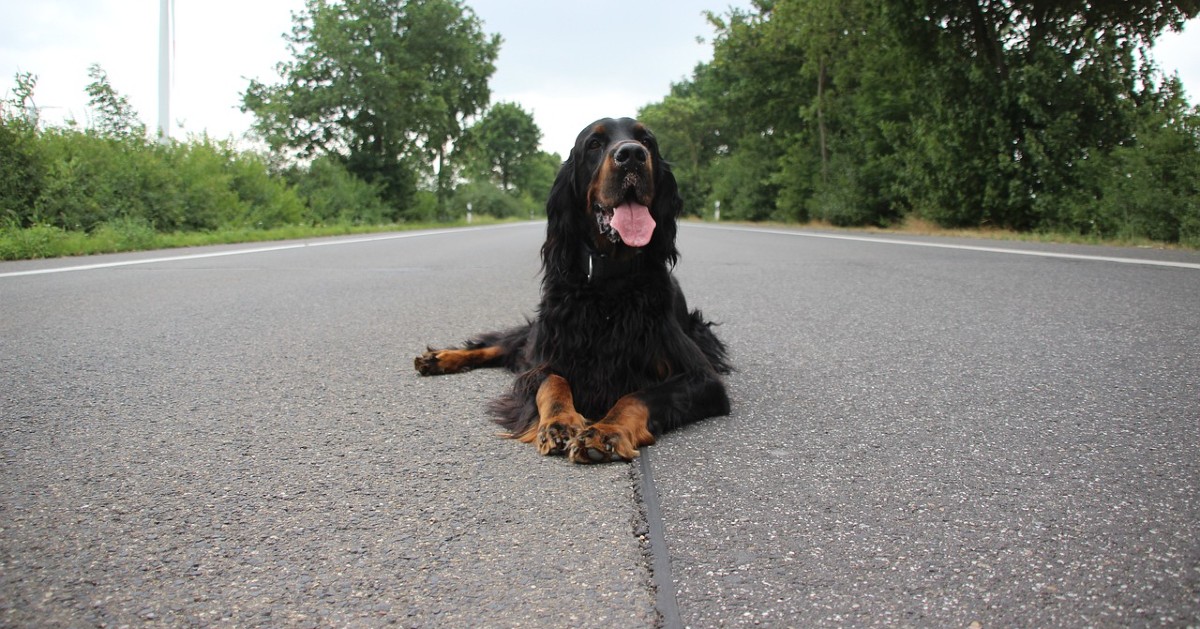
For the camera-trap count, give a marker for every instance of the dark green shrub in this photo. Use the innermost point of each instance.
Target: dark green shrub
(334, 196)
(125, 234)
(22, 170)
(35, 241)
(265, 201)
(486, 198)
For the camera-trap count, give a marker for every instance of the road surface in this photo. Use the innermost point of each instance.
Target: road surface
(926, 432)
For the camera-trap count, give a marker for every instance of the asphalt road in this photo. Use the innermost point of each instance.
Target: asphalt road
(921, 436)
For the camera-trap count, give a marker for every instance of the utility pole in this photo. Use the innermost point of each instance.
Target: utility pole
(164, 71)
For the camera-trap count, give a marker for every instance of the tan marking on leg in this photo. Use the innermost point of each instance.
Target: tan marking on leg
(558, 421)
(444, 361)
(618, 436)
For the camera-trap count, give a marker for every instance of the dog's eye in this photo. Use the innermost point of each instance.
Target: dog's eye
(594, 144)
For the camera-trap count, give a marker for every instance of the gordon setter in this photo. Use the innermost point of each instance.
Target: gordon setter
(614, 357)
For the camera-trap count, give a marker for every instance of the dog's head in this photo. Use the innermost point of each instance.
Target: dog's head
(614, 196)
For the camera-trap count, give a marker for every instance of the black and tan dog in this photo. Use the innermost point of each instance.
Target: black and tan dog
(614, 357)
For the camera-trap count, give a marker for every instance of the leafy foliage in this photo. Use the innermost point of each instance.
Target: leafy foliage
(21, 171)
(485, 198)
(508, 175)
(1009, 113)
(21, 159)
(115, 117)
(501, 144)
(112, 186)
(1020, 114)
(335, 196)
(386, 85)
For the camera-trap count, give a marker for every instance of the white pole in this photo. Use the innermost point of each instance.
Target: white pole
(164, 72)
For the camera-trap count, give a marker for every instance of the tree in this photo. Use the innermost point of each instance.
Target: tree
(539, 178)
(1023, 114)
(115, 117)
(689, 131)
(386, 85)
(1017, 93)
(755, 92)
(503, 144)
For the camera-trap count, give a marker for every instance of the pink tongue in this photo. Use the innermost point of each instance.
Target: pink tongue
(634, 223)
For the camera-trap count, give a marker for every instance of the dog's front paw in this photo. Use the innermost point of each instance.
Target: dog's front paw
(554, 436)
(427, 364)
(601, 443)
(439, 362)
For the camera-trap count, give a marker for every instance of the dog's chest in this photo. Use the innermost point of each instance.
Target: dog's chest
(604, 335)
(615, 313)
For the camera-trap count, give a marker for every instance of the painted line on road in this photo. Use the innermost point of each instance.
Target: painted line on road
(938, 245)
(240, 252)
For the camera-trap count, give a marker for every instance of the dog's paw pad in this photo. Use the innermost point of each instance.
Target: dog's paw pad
(427, 364)
(553, 438)
(599, 444)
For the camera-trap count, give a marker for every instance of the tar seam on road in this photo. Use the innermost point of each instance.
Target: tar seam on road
(664, 585)
(267, 249)
(939, 245)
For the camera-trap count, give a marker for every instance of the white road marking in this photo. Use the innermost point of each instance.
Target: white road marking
(938, 245)
(416, 234)
(239, 252)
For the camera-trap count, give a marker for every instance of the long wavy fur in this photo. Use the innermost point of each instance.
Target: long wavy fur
(631, 333)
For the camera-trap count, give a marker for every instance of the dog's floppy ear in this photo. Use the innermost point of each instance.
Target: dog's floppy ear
(668, 206)
(561, 208)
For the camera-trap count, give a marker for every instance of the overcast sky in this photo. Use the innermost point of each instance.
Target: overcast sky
(566, 62)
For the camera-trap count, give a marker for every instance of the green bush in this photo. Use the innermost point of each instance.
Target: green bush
(746, 181)
(422, 209)
(88, 180)
(125, 234)
(76, 191)
(334, 196)
(205, 192)
(69, 190)
(265, 201)
(21, 171)
(485, 198)
(35, 241)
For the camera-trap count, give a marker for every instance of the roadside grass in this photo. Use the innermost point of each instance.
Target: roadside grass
(919, 227)
(46, 241)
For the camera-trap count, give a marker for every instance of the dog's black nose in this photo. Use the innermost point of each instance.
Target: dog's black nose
(629, 154)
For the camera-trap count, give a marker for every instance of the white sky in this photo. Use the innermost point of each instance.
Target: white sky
(566, 62)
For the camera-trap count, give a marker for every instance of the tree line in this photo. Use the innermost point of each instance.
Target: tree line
(383, 116)
(1017, 114)
(398, 92)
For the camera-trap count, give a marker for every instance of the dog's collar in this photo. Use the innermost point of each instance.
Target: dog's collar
(601, 266)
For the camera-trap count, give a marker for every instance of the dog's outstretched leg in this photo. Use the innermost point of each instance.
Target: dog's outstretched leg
(436, 362)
